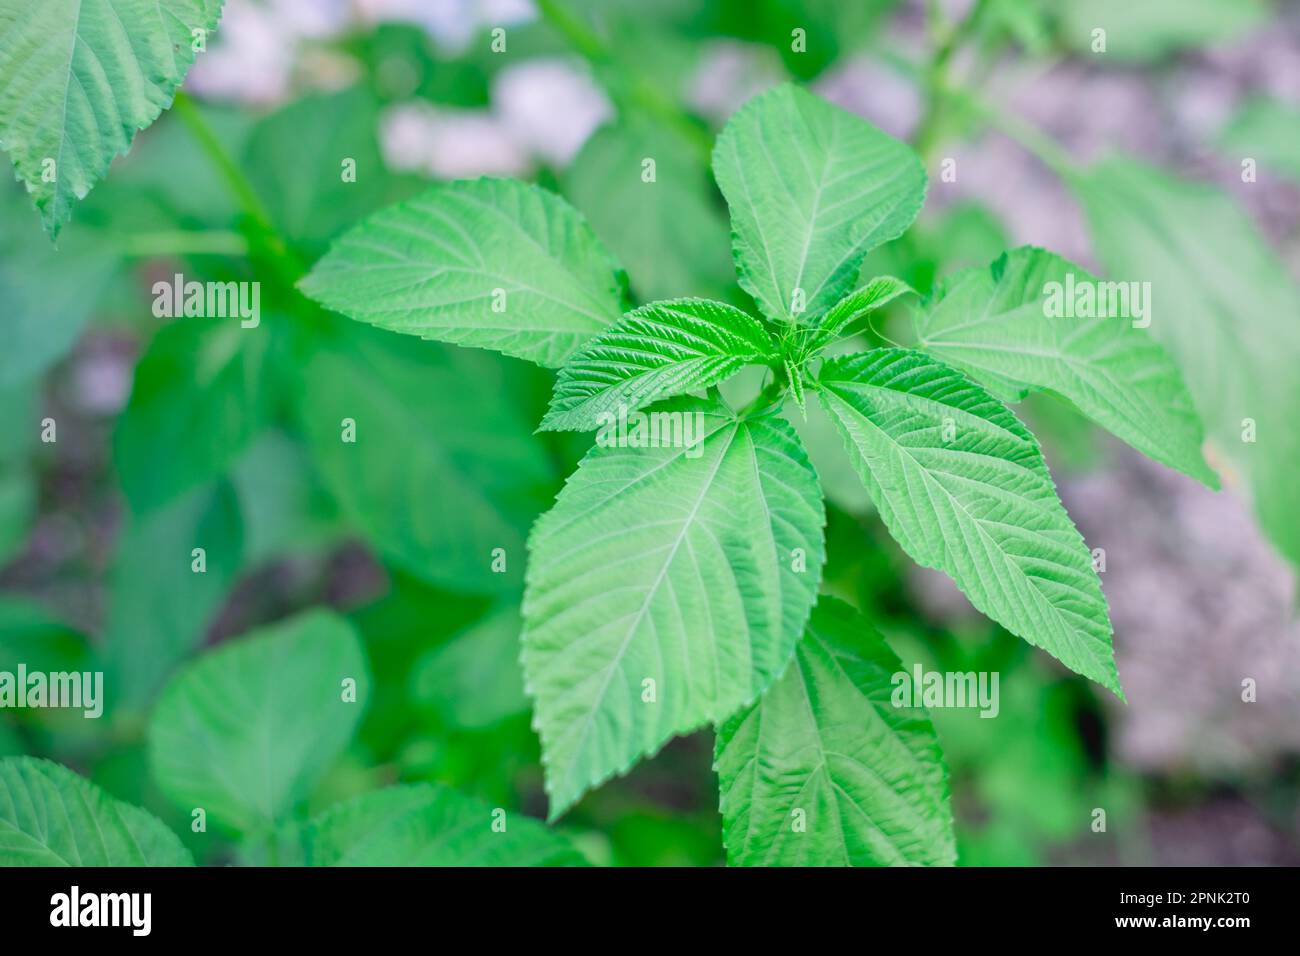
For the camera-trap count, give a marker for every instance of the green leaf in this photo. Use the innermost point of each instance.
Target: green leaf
(679, 242)
(31, 635)
(876, 294)
(247, 729)
(473, 680)
(492, 263)
(826, 739)
(1225, 308)
(43, 312)
(444, 468)
(317, 167)
(962, 486)
(1267, 131)
(693, 567)
(432, 825)
(199, 397)
(17, 481)
(812, 189)
(1151, 29)
(79, 77)
(160, 608)
(49, 816)
(657, 351)
(998, 326)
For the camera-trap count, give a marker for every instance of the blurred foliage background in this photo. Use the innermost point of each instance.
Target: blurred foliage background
(412, 89)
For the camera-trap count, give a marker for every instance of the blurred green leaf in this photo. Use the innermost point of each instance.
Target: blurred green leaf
(49, 816)
(247, 729)
(474, 679)
(429, 825)
(1267, 131)
(1151, 29)
(1225, 307)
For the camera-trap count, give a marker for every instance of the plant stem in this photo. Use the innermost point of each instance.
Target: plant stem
(947, 40)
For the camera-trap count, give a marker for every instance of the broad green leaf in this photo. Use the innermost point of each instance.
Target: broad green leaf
(1267, 131)
(444, 468)
(285, 507)
(492, 263)
(79, 77)
(247, 729)
(812, 190)
(1151, 29)
(657, 351)
(827, 744)
(31, 635)
(1009, 327)
(473, 680)
(49, 816)
(432, 825)
(198, 399)
(317, 166)
(962, 486)
(669, 232)
(1225, 308)
(666, 589)
(160, 607)
(876, 294)
(43, 312)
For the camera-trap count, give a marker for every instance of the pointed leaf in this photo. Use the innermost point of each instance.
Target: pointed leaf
(826, 739)
(690, 567)
(49, 816)
(962, 486)
(876, 294)
(657, 351)
(812, 189)
(995, 324)
(432, 825)
(493, 263)
(79, 77)
(248, 728)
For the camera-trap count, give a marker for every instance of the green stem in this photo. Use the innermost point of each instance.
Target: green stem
(947, 40)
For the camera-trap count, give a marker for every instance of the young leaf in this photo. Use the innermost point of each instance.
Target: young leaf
(432, 825)
(876, 294)
(492, 263)
(995, 325)
(435, 488)
(962, 486)
(666, 589)
(1204, 259)
(658, 351)
(827, 746)
(79, 78)
(248, 728)
(49, 816)
(199, 395)
(812, 189)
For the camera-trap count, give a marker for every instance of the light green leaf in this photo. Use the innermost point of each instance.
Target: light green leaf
(1225, 308)
(876, 294)
(1267, 131)
(248, 728)
(432, 825)
(473, 680)
(658, 351)
(827, 741)
(962, 486)
(679, 242)
(1151, 29)
(79, 77)
(812, 189)
(198, 398)
(159, 608)
(49, 816)
(692, 567)
(998, 326)
(444, 468)
(492, 263)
